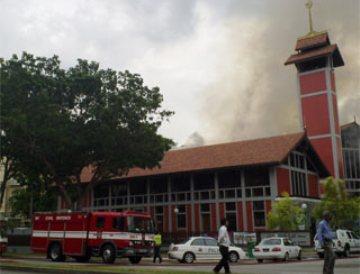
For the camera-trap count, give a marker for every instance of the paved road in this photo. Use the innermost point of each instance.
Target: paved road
(343, 266)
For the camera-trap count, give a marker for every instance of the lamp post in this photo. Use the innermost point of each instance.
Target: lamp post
(304, 208)
(176, 211)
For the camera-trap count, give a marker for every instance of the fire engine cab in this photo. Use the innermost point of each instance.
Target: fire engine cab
(82, 235)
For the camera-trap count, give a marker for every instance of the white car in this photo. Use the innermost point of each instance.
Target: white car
(344, 242)
(277, 248)
(202, 248)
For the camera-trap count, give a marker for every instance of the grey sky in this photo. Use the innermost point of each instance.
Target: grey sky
(219, 64)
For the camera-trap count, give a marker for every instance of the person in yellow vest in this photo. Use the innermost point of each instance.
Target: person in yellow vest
(157, 247)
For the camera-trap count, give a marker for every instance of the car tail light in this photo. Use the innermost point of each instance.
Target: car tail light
(175, 248)
(257, 249)
(276, 249)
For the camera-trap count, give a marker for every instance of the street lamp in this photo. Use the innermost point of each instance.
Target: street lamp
(304, 208)
(176, 210)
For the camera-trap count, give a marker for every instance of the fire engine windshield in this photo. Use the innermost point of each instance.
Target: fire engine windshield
(138, 224)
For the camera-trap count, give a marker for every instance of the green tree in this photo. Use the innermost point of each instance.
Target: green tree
(345, 210)
(285, 215)
(56, 122)
(26, 201)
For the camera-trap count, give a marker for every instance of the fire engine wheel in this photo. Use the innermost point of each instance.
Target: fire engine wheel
(134, 260)
(55, 253)
(108, 254)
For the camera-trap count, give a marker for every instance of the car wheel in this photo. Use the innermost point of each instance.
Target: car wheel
(259, 261)
(347, 251)
(299, 255)
(134, 260)
(320, 255)
(286, 257)
(108, 254)
(55, 253)
(233, 257)
(189, 258)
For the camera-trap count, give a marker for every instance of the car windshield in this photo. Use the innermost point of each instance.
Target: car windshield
(271, 242)
(139, 224)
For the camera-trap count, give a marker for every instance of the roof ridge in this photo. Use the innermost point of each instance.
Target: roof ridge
(237, 141)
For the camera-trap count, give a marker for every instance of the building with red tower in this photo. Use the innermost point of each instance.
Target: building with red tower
(195, 187)
(315, 60)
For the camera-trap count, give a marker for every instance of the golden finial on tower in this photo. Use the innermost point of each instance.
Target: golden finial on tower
(309, 5)
(312, 32)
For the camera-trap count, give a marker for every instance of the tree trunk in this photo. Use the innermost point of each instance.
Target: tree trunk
(5, 180)
(2, 190)
(82, 197)
(68, 202)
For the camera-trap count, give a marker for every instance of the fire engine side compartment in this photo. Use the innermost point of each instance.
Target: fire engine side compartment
(76, 233)
(67, 229)
(40, 231)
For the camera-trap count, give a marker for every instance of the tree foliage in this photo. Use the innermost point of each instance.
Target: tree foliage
(285, 214)
(26, 201)
(345, 210)
(56, 122)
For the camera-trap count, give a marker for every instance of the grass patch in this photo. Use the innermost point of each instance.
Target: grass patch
(22, 255)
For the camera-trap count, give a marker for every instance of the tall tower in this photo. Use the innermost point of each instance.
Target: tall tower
(315, 60)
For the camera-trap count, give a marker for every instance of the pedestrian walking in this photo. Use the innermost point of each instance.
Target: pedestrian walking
(325, 236)
(157, 247)
(224, 243)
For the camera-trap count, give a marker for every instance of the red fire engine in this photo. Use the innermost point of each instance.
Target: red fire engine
(82, 235)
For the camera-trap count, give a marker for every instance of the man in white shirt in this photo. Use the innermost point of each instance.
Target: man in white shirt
(224, 243)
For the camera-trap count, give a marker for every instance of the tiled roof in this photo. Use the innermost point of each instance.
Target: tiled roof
(312, 54)
(315, 46)
(322, 39)
(265, 151)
